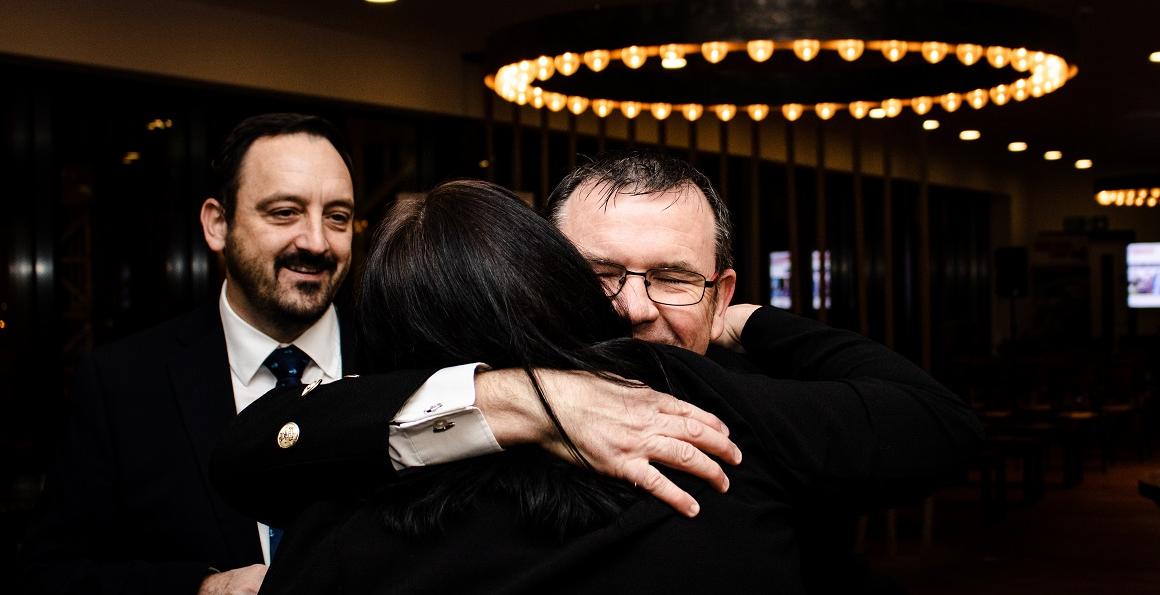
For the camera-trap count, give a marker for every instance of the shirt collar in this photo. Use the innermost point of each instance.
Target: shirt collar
(247, 347)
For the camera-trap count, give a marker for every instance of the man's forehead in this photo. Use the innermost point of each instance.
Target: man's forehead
(606, 195)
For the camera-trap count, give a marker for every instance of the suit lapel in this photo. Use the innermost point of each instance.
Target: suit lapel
(200, 377)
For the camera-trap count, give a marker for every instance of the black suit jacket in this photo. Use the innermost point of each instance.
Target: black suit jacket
(847, 424)
(129, 507)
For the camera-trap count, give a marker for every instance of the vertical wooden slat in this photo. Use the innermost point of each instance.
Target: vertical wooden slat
(489, 133)
(861, 265)
(601, 135)
(544, 137)
(796, 270)
(693, 142)
(517, 150)
(723, 176)
(924, 273)
(822, 222)
(887, 243)
(754, 259)
(571, 141)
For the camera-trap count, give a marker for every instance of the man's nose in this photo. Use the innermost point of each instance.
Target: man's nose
(312, 235)
(633, 302)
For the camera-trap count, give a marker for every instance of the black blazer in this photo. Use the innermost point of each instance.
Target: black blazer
(129, 507)
(856, 426)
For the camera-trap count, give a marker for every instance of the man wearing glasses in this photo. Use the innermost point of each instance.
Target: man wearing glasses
(660, 239)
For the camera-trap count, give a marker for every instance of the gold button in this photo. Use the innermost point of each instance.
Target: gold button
(311, 386)
(288, 435)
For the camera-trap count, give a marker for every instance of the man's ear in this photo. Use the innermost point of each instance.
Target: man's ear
(214, 224)
(723, 295)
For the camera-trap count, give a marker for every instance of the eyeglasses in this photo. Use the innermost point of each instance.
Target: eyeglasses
(669, 287)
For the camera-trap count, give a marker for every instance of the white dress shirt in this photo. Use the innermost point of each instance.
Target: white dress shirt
(446, 399)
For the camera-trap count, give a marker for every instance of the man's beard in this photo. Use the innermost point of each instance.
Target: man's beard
(286, 307)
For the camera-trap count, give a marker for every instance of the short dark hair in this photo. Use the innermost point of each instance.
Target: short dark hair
(647, 172)
(227, 166)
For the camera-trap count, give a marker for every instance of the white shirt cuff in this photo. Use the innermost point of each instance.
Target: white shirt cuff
(440, 422)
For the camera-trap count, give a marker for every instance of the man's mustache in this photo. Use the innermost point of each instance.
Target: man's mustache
(303, 260)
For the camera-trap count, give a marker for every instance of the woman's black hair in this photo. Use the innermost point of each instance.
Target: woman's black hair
(469, 273)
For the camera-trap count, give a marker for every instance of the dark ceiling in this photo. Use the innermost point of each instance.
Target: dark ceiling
(1109, 113)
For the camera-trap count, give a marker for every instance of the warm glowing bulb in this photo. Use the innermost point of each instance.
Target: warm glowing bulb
(602, 107)
(894, 50)
(555, 101)
(806, 49)
(969, 135)
(537, 100)
(1000, 95)
(672, 56)
(1155, 193)
(877, 113)
(1017, 146)
(1053, 155)
(977, 98)
(692, 111)
(633, 56)
(1154, 57)
(969, 53)
(661, 111)
(1152, 202)
(631, 109)
(951, 101)
(714, 51)
(522, 97)
(1083, 164)
(489, 81)
(1105, 198)
(568, 63)
(725, 112)
(859, 109)
(850, 49)
(759, 50)
(893, 107)
(934, 51)
(577, 104)
(758, 111)
(792, 111)
(998, 56)
(597, 60)
(1019, 90)
(921, 105)
(930, 124)
(825, 111)
(1020, 59)
(545, 68)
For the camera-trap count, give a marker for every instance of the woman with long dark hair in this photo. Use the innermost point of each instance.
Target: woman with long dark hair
(470, 274)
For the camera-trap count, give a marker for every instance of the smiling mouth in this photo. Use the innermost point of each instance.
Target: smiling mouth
(305, 270)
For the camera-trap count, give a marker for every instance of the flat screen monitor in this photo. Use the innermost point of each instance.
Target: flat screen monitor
(1144, 275)
(779, 269)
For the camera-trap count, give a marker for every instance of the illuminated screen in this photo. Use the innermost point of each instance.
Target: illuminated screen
(1144, 275)
(779, 269)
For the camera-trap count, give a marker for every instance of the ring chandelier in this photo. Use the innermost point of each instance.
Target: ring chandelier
(1039, 73)
(1128, 191)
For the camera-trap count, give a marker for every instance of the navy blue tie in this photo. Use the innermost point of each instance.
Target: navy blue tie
(287, 364)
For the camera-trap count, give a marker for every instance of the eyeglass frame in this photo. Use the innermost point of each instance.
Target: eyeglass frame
(707, 283)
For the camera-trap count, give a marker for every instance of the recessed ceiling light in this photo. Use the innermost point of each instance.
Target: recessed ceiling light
(1053, 155)
(1154, 57)
(1017, 146)
(930, 124)
(1083, 164)
(970, 135)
